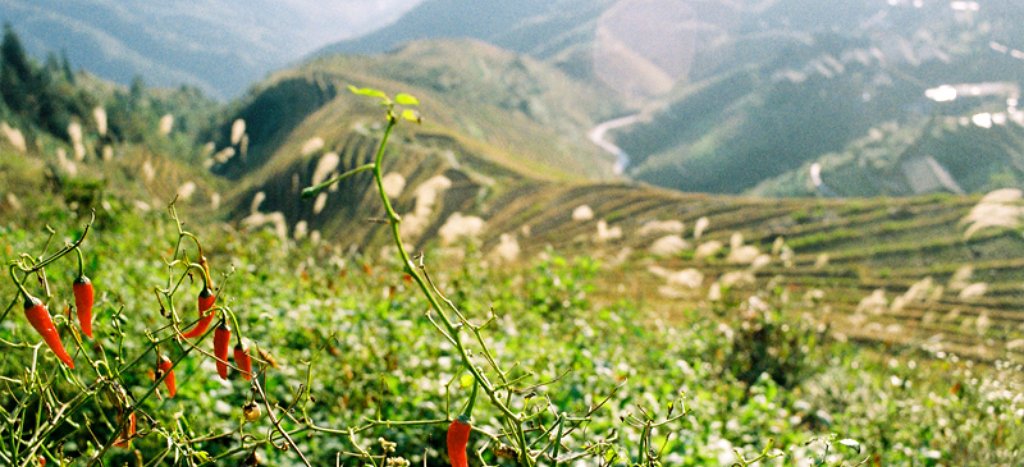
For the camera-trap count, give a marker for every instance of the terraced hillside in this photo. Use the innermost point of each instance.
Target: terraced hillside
(939, 273)
(893, 271)
(852, 90)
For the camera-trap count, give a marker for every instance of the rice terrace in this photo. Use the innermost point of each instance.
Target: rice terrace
(534, 233)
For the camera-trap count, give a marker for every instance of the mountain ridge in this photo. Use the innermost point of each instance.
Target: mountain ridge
(218, 47)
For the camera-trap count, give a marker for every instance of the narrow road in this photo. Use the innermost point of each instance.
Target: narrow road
(597, 136)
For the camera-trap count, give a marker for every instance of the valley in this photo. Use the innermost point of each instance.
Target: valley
(598, 135)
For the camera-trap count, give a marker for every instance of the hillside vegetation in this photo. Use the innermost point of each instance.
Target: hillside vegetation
(821, 92)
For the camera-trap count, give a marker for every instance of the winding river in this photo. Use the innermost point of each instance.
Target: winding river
(597, 136)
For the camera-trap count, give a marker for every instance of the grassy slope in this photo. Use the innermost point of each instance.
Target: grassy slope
(492, 119)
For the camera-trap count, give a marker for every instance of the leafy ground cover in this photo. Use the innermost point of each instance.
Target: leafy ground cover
(352, 344)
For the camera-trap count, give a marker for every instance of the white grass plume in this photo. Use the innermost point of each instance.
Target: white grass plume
(186, 190)
(700, 227)
(15, 137)
(661, 227)
(166, 125)
(426, 194)
(327, 164)
(100, 115)
(237, 131)
(582, 213)
(320, 203)
(708, 249)
(998, 209)
(460, 226)
(606, 233)
(669, 245)
(508, 248)
(257, 201)
(393, 183)
(312, 145)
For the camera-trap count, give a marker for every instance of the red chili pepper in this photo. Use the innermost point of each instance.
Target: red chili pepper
(221, 340)
(82, 288)
(125, 438)
(205, 302)
(40, 319)
(458, 433)
(167, 366)
(458, 438)
(243, 361)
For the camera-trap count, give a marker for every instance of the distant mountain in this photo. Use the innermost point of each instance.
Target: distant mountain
(554, 30)
(221, 47)
(946, 153)
(797, 80)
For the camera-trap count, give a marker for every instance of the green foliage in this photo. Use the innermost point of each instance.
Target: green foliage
(35, 96)
(84, 194)
(44, 100)
(16, 75)
(768, 344)
(558, 287)
(134, 115)
(367, 355)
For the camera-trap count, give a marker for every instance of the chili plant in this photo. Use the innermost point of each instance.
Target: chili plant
(531, 432)
(93, 401)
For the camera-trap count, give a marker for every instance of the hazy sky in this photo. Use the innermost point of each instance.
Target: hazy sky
(320, 15)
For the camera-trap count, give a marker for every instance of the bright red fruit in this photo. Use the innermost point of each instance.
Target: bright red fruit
(40, 319)
(458, 438)
(167, 366)
(205, 302)
(83, 291)
(221, 340)
(243, 361)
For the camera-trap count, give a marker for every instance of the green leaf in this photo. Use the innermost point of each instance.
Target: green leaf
(392, 382)
(406, 99)
(466, 381)
(411, 115)
(367, 92)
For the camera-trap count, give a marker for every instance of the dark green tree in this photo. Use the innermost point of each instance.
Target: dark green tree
(65, 66)
(17, 78)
